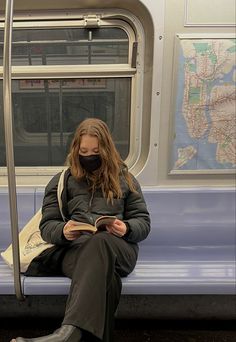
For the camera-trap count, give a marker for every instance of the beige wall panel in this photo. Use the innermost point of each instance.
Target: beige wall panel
(210, 13)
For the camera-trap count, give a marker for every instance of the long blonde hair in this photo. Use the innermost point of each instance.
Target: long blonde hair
(107, 177)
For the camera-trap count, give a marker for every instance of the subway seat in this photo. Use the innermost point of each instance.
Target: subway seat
(190, 249)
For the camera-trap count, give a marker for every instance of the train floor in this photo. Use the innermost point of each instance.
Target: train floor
(133, 330)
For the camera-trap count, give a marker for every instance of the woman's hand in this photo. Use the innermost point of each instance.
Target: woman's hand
(68, 231)
(117, 228)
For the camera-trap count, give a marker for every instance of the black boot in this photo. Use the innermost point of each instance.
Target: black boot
(67, 333)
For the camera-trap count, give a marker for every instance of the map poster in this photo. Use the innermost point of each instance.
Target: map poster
(204, 107)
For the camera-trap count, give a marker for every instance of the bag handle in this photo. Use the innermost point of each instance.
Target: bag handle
(60, 188)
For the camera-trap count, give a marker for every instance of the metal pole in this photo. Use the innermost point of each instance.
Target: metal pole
(49, 121)
(7, 108)
(61, 117)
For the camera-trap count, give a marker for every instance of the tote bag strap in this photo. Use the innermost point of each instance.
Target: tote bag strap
(60, 188)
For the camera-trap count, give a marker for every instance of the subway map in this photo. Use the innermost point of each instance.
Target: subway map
(205, 122)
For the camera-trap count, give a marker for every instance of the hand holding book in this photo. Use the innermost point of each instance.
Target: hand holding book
(117, 228)
(73, 229)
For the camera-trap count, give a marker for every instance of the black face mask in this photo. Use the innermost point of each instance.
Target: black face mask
(90, 163)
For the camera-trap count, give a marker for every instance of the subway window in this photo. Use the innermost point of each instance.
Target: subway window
(70, 46)
(64, 72)
(46, 113)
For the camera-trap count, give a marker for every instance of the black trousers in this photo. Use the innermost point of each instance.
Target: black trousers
(95, 264)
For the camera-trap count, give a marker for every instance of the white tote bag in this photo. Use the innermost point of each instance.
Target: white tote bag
(30, 241)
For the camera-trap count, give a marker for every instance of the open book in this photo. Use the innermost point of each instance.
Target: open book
(100, 224)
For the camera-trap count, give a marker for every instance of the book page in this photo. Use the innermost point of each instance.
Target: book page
(102, 221)
(83, 227)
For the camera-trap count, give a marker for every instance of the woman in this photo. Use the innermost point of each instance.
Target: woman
(97, 183)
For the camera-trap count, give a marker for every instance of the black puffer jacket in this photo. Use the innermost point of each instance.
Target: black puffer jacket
(80, 204)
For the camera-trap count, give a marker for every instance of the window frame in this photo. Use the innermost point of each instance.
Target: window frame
(134, 31)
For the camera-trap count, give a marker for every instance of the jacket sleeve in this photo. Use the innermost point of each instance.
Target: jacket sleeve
(136, 216)
(52, 224)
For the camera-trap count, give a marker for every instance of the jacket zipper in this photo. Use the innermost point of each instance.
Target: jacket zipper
(90, 207)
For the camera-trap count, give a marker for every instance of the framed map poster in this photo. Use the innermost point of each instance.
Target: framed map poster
(203, 124)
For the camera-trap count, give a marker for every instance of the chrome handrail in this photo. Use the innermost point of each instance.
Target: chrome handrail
(7, 109)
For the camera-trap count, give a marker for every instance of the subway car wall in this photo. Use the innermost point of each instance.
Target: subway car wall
(161, 74)
(165, 87)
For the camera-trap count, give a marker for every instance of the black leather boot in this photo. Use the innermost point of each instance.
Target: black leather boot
(67, 333)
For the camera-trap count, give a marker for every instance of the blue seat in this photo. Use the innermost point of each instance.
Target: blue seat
(190, 250)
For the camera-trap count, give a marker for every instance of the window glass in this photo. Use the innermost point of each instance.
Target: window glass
(68, 46)
(46, 113)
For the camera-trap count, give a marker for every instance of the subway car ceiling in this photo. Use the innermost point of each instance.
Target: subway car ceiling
(165, 87)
